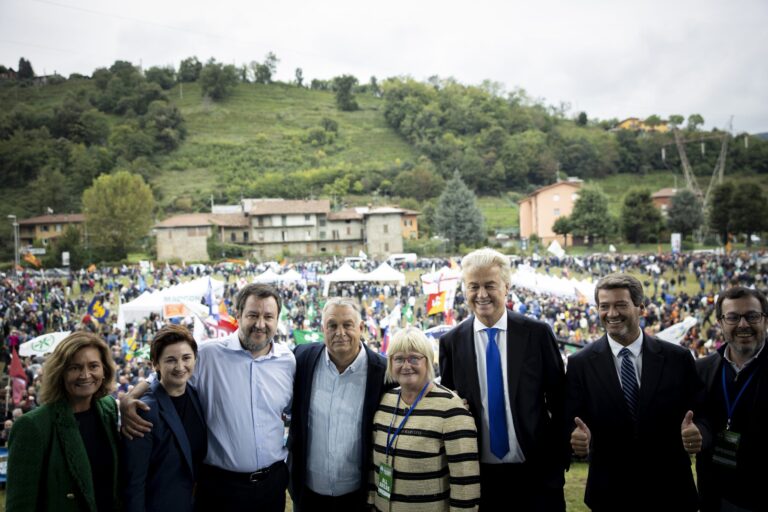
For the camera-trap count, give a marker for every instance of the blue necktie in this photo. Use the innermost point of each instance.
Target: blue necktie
(629, 382)
(497, 414)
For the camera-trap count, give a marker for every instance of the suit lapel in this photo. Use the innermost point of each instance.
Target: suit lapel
(171, 417)
(653, 365)
(74, 451)
(465, 351)
(517, 344)
(604, 371)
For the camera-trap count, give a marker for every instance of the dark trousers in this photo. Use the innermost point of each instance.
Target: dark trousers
(224, 491)
(311, 501)
(518, 486)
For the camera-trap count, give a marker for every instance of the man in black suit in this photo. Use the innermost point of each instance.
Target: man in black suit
(630, 398)
(337, 388)
(731, 466)
(510, 371)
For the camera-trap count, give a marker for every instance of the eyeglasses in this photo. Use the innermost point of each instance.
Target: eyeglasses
(412, 360)
(751, 317)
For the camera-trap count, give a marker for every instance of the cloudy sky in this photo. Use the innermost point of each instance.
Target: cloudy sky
(608, 58)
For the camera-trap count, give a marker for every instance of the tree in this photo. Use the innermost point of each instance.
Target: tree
(720, 210)
(653, 120)
(165, 77)
(299, 77)
(345, 99)
(25, 71)
(373, 85)
(640, 220)
(590, 216)
(190, 69)
(457, 216)
(563, 226)
(421, 183)
(685, 213)
(676, 120)
(118, 213)
(749, 210)
(217, 80)
(581, 120)
(694, 121)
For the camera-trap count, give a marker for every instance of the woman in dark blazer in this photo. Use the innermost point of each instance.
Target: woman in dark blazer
(62, 456)
(159, 470)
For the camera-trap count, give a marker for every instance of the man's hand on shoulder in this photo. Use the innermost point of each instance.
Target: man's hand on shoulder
(134, 425)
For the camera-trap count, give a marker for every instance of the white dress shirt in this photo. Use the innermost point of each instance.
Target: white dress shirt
(243, 400)
(335, 424)
(515, 453)
(636, 348)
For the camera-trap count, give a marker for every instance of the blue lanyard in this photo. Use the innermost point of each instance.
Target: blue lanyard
(402, 423)
(729, 408)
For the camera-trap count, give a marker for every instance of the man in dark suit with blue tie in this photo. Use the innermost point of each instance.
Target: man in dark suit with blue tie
(509, 369)
(630, 400)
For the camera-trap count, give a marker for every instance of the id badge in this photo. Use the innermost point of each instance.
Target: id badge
(385, 480)
(726, 446)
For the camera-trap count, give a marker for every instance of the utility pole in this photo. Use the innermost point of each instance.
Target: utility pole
(15, 224)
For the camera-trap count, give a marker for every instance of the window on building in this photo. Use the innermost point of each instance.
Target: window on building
(233, 237)
(261, 236)
(58, 228)
(245, 236)
(283, 235)
(386, 247)
(261, 221)
(322, 235)
(349, 230)
(386, 228)
(322, 221)
(556, 198)
(44, 228)
(191, 231)
(170, 233)
(285, 220)
(306, 218)
(574, 196)
(335, 234)
(557, 212)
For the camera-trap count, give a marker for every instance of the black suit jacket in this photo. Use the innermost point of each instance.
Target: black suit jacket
(158, 472)
(745, 485)
(307, 358)
(536, 385)
(643, 465)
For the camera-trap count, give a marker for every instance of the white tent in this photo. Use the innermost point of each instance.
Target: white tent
(527, 278)
(189, 294)
(268, 276)
(344, 273)
(290, 276)
(385, 273)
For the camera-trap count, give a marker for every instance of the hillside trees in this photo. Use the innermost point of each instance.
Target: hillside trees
(190, 69)
(720, 210)
(25, 71)
(263, 72)
(641, 221)
(345, 98)
(685, 213)
(118, 212)
(457, 216)
(218, 80)
(421, 183)
(590, 216)
(749, 210)
(165, 77)
(563, 227)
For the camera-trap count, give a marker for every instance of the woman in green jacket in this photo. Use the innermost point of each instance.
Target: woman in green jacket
(63, 456)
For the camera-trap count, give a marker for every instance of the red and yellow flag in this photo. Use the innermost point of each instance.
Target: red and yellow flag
(436, 303)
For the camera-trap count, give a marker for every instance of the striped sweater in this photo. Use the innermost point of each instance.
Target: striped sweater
(434, 458)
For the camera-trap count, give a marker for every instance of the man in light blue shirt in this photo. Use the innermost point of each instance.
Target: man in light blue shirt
(245, 382)
(338, 386)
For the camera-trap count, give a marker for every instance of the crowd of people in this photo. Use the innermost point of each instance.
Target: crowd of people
(348, 451)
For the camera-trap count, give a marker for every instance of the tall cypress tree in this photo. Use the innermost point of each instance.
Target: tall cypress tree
(457, 216)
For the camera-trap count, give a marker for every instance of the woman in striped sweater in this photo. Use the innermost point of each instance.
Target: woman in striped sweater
(425, 442)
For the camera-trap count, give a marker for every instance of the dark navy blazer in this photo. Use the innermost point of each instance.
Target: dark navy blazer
(158, 472)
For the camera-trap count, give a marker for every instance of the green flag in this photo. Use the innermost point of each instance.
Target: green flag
(302, 337)
(311, 312)
(408, 313)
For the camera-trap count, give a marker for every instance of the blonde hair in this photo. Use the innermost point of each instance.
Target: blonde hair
(487, 257)
(410, 339)
(52, 388)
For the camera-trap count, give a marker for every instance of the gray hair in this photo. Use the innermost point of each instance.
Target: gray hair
(487, 257)
(346, 302)
(410, 339)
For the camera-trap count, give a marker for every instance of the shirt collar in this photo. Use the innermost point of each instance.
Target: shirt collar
(737, 368)
(356, 365)
(501, 323)
(635, 347)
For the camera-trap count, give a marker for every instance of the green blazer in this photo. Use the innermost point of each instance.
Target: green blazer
(48, 467)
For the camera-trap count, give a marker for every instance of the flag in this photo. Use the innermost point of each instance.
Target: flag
(302, 337)
(384, 341)
(16, 370)
(32, 260)
(98, 310)
(370, 322)
(436, 303)
(408, 314)
(175, 310)
(142, 284)
(209, 301)
(395, 316)
(311, 312)
(676, 333)
(130, 345)
(92, 267)
(142, 353)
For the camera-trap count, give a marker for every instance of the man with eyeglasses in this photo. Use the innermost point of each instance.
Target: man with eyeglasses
(731, 465)
(337, 388)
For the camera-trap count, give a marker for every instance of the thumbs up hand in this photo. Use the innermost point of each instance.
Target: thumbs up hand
(580, 438)
(690, 434)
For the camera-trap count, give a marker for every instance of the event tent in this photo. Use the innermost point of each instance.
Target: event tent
(190, 294)
(268, 276)
(385, 273)
(290, 276)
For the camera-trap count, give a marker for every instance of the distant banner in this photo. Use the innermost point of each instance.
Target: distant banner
(98, 310)
(436, 303)
(301, 337)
